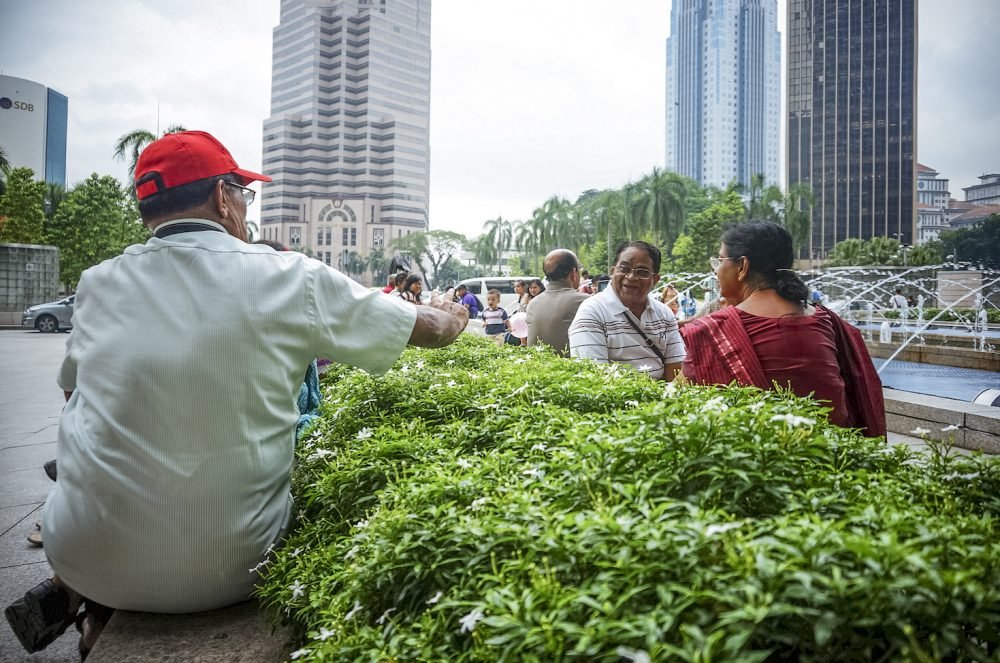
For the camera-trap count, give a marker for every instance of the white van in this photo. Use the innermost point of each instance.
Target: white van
(505, 284)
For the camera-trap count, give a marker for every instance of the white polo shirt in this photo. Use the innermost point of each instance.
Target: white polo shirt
(601, 331)
(176, 447)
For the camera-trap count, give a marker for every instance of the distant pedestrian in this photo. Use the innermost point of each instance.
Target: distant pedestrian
(552, 311)
(468, 300)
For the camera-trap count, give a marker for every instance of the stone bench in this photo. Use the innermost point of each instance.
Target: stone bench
(236, 633)
(978, 425)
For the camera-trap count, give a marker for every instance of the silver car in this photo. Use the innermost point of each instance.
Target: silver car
(51, 317)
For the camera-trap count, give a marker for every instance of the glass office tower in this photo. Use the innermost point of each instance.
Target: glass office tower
(723, 90)
(852, 116)
(347, 142)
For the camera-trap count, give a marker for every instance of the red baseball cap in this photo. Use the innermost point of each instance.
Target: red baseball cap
(182, 158)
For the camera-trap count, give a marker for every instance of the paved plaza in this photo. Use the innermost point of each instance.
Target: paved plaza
(30, 404)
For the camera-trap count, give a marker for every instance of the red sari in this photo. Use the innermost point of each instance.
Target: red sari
(720, 351)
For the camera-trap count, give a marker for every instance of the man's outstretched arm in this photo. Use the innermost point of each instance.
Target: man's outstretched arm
(438, 324)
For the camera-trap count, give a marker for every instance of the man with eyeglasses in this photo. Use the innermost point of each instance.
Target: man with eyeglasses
(176, 443)
(624, 324)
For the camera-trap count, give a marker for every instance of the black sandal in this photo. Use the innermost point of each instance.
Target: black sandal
(41, 616)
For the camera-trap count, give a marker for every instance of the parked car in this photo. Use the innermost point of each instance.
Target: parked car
(51, 317)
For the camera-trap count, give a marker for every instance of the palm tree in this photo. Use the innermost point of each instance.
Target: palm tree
(849, 252)
(484, 250)
(881, 250)
(130, 145)
(659, 206)
(796, 215)
(762, 199)
(500, 234)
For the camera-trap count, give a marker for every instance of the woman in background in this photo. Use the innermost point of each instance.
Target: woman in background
(770, 335)
(412, 288)
(535, 287)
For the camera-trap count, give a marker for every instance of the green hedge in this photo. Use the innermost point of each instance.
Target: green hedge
(483, 503)
(967, 315)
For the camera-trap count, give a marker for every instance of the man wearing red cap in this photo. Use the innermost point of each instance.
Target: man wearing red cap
(176, 443)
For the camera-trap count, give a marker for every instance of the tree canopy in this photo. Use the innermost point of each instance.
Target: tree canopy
(22, 208)
(95, 221)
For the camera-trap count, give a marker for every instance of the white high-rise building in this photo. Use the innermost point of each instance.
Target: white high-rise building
(723, 90)
(347, 142)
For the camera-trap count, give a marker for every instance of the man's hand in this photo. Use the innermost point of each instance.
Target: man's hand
(438, 324)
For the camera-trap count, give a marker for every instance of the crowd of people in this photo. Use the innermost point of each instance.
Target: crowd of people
(177, 439)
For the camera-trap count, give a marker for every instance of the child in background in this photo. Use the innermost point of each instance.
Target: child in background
(494, 318)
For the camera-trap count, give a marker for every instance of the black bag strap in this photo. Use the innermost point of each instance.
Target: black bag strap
(649, 341)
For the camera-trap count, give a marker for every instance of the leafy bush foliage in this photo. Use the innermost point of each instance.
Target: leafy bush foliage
(967, 315)
(485, 503)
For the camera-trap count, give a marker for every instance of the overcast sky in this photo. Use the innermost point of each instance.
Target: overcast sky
(529, 98)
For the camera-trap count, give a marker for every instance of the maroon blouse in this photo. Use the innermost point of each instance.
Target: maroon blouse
(801, 353)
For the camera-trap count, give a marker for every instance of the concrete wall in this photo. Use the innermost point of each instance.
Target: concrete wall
(939, 355)
(29, 275)
(978, 426)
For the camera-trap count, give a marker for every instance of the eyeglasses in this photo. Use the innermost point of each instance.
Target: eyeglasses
(717, 262)
(636, 272)
(248, 194)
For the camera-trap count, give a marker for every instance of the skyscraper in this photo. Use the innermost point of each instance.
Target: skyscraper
(723, 90)
(33, 122)
(347, 141)
(852, 95)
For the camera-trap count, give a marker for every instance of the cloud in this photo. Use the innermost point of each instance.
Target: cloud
(529, 99)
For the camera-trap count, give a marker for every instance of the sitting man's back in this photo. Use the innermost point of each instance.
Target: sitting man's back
(175, 448)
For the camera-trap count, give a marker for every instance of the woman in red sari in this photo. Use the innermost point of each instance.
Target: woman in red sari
(770, 334)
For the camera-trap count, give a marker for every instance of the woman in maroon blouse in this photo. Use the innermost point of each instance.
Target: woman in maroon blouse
(771, 335)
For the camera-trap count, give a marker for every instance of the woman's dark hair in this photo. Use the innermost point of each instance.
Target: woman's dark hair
(651, 251)
(768, 248)
(410, 280)
(181, 198)
(541, 286)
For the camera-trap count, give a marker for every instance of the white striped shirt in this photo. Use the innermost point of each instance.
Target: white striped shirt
(601, 331)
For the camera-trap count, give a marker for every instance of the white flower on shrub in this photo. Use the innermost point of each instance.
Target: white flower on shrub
(451, 383)
(325, 634)
(361, 524)
(533, 472)
(539, 447)
(404, 368)
(633, 655)
(319, 454)
(365, 433)
(717, 404)
(470, 620)
(352, 552)
(295, 553)
(478, 503)
(434, 599)
(298, 653)
(670, 390)
(464, 463)
(755, 407)
(519, 389)
(714, 529)
(298, 589)
(385, 615)
(420, 364)
(949, 428)
(631, 403)
(793, 420)
(919, 432)
(355, 610)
